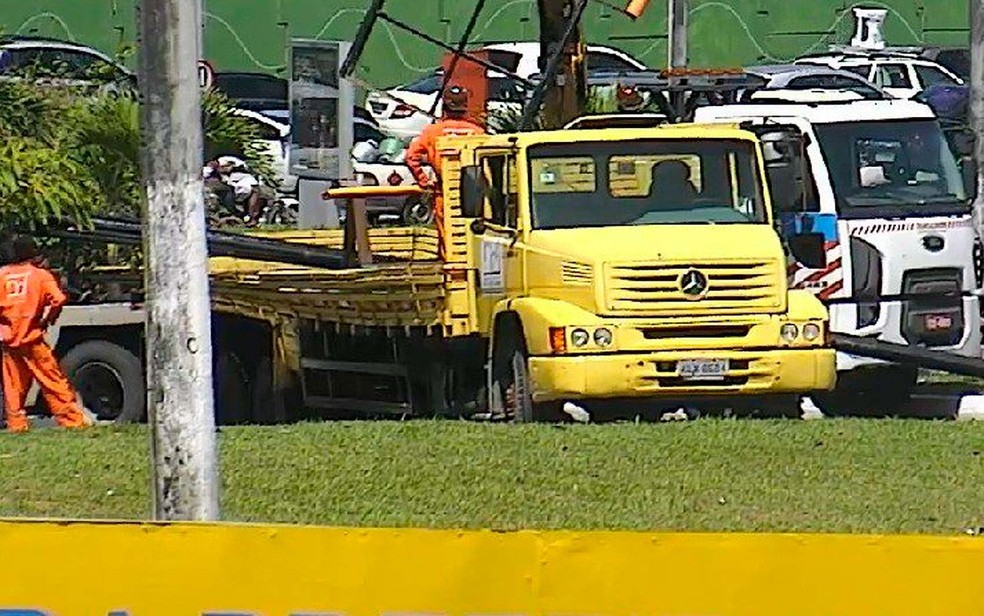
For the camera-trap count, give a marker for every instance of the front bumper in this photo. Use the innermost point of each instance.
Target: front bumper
(889, 329)
(636, 375)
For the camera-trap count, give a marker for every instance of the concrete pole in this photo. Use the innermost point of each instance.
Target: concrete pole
(568, 98)
(977, 103)
(179, 347)
(201, 29)
(677, 20)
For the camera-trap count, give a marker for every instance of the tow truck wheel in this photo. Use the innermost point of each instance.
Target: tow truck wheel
(232, 385)
(518, 395)
(109, 380)
(874, 391)
(513, 391)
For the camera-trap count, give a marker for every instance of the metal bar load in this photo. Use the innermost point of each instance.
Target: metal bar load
(910, 355)
(220, 244)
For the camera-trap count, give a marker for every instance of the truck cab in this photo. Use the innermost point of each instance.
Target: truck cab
(631, 263)
(878, 182)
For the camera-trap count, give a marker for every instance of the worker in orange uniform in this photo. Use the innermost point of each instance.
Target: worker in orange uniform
(30, 301)
(423, 150)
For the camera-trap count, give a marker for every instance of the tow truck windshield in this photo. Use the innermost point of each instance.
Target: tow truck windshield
(645, 182)
(891, 169)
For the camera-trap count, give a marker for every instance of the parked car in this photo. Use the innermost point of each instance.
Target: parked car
(954, 59)
(815, 77)
(275, 138)
(60, 61)
(260, 92)
(398, 109)
(902, 75)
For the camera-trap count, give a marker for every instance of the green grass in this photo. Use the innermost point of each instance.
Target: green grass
(836, 475)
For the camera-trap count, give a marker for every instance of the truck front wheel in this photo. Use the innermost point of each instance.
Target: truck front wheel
(109, 379)
(878, 390)
(512, 386)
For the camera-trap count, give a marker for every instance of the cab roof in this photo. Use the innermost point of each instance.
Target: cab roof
(665, 131)
(826, 112)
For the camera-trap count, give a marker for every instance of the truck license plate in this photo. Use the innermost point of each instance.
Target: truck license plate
(936, 322)
(702, 369)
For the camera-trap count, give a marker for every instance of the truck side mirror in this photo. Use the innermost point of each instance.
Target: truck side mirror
(968, 169)
(473, 190)
(808, 249)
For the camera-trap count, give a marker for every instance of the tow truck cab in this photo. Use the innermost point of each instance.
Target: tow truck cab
(632, 262)
(879, 183)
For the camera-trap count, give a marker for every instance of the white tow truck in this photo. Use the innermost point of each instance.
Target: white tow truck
(874, 186)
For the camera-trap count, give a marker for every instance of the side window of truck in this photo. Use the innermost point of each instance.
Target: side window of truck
(783, 163)
(502, 200)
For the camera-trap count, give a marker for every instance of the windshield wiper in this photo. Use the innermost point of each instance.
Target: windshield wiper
(925, 199)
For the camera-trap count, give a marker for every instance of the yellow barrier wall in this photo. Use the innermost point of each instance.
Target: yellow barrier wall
(84, 569)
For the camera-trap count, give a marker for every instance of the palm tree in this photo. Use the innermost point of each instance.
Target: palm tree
(71, 154)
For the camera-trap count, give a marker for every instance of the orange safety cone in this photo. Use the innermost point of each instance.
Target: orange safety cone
(636, 7)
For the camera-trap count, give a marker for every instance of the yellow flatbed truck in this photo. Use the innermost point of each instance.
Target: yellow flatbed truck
(581, 265)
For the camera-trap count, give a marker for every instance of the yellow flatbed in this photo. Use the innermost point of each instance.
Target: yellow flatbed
(405, 288)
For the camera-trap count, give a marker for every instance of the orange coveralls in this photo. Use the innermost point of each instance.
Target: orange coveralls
(423, 150)
(26, 291)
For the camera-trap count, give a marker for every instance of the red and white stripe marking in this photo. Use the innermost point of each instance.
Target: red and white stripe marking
(826, 282)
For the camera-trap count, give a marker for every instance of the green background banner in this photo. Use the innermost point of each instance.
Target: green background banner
(251, 35)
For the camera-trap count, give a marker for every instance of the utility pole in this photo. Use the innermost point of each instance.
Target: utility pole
(179, 343)
(677, 21)
(201, 29)
(977, 104)
(568, 99)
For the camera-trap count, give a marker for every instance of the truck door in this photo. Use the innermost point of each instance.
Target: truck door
(496, 236)
(810, 235)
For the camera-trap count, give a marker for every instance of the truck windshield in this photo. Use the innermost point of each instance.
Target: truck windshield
(645, 182)
(891, 168)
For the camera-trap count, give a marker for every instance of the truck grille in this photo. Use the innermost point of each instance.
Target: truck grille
(576, 274)
(732, 286)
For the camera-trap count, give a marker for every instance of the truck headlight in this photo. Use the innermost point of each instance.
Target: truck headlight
(811, 331)
(579, 337)
(788, 332)
(603, 336)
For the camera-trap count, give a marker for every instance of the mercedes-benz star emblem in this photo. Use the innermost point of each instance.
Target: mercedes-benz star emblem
(693, 284)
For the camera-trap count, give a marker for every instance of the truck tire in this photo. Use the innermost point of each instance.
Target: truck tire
(511, 380)
(110, 380)
(262, 403)
(877, 391)
(231, 387)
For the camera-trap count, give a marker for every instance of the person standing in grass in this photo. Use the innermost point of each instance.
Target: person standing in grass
(30, 301)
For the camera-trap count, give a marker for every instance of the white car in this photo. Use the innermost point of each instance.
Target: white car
(901, 75)
(275, 141)
(398, 110)
(61, 62)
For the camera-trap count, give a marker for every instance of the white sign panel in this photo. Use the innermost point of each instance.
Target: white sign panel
(321, 111)
(491, 270)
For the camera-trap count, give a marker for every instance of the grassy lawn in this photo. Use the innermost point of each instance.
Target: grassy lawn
(836, 475)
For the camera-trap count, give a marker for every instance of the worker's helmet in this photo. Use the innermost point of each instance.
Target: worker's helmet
(629, 99)
(456, 99)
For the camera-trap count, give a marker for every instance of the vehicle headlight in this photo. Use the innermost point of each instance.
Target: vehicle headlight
(579, 337)
(811, 331)
(789, 331)
(603, 336)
